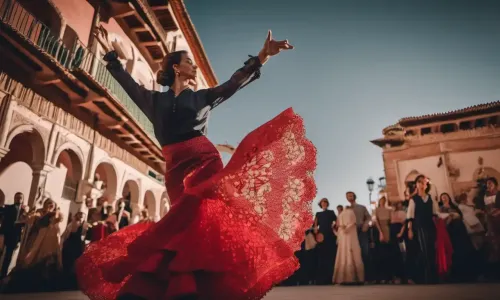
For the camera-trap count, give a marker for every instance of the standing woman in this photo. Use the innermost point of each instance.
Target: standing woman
(327, 249)
(397, 243)
(231, 232)
(349, 268)
(383, 260)
(422, 211)
(463, 249)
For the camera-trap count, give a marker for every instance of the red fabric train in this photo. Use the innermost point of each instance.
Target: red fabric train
(231, 232)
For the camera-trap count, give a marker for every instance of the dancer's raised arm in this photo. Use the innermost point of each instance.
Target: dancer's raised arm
(140, 95)
(248, 73)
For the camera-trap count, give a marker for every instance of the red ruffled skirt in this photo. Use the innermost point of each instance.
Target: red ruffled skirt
(231, 232)
(444, 249)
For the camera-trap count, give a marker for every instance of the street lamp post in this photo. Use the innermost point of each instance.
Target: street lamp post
(382, 182)
(370, 183)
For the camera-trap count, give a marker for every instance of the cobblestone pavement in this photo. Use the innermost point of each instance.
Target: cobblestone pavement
(439, 292)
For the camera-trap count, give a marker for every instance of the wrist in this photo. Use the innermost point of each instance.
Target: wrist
(263, 57)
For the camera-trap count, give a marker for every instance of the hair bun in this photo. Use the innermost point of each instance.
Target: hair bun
(162, 78)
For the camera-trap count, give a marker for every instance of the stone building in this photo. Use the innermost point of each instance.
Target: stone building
(454, 149)
(68, 130)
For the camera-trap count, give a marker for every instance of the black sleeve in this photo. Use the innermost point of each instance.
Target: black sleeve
(141, 96)
(242, 77)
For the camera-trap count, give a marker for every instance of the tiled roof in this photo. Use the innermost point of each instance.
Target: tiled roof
(471, 110)
(391, 127)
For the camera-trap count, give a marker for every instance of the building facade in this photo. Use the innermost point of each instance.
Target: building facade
(68, 130)
(453, 149)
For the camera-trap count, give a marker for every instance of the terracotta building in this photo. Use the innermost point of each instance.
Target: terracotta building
(454, 149)
(68, 130)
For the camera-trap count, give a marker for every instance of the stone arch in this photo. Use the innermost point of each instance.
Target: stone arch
(26, 155)
(412, 176)
(68, 159)
(164, 204)
(75, 152)
(150, 203)
(69, 146)
(485, 172)
(107, 173)
(34, 137)
(130, 191)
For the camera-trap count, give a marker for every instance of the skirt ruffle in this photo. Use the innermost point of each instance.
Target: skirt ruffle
(233, 236)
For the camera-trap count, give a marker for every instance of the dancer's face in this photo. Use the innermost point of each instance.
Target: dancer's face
(186, 69)
(422, 183)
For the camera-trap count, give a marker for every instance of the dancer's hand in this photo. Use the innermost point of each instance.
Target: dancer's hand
(381, 236)
(399, 235)
(272, 47)
(410, 234)
(194, 84)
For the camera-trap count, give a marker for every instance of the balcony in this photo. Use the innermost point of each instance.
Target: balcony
(101, 93)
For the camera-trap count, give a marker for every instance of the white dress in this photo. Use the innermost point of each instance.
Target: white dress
(349, 264)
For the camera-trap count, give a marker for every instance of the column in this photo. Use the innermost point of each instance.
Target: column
(6, 115)
(38, 183)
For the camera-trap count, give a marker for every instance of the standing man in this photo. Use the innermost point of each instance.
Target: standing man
(12, 226)
(362, 224)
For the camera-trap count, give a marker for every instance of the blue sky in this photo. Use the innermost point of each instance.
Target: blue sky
(358, 67)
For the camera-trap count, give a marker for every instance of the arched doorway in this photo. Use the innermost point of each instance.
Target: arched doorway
(485, 172)
(150, 204)
(165, 204)
(410, 180)
(74, 166)
(105, 173)
(130, 193)
(27, 151)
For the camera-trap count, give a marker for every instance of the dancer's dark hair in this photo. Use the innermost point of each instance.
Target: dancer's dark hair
(166, 76)
(428, 188)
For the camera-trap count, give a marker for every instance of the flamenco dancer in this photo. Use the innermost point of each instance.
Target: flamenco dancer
(232, 231)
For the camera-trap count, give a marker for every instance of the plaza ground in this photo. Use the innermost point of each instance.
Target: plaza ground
(414, 292)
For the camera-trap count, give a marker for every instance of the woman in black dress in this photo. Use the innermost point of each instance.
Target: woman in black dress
(73, 247)
(422, 232)
(232, 230)
(463, 249)
(327, 249)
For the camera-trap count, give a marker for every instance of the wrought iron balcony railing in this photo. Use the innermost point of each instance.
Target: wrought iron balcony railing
(14, 15)
(79, 57)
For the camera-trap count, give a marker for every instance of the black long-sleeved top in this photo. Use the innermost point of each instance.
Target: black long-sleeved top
(178, 119)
